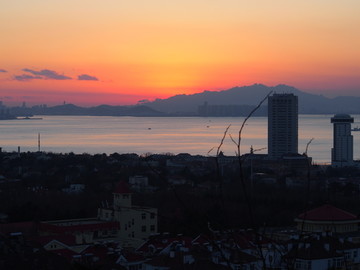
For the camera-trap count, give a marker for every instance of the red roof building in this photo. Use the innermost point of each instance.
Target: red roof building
(122, 188)
(85, 231)
(327, 218)
(162, 244)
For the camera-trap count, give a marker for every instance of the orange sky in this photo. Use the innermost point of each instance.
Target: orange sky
(140, 49)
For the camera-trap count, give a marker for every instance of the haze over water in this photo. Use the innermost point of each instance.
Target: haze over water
(194, 135)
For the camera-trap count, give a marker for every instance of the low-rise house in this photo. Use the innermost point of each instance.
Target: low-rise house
(62, 245)
(163, 244)
(321, 253)
(234, 249)
(88, 254)
(74, 189)
(18, 252)
(140, 183)
(176, 180)
(131, 261)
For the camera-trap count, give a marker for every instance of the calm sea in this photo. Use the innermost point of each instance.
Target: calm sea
(194, 135)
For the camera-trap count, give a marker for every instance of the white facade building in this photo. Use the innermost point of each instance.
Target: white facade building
(282, 125)
(136, 223)
(342, 151)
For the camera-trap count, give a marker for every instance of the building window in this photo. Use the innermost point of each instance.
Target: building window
(143, 228)
(152, 228)
(338, 263)
(152, 215)
(135, 267)
(143, 216)
(125, 196)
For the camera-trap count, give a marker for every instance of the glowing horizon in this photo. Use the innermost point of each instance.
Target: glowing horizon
(119, 52)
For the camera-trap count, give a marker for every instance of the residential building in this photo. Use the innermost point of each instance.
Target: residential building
(83, 231)
(342, 151)
(327, 218)
(131, 261)
(321, 252)
(137, 223)
(74, 188)
(282, 125)
(139, 183)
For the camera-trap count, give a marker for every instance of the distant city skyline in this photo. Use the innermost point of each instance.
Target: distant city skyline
(120, 52)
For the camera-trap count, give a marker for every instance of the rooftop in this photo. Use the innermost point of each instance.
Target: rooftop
(63, 226)
(342, 118)
(327, 212)
(122, 188)
(342, 115)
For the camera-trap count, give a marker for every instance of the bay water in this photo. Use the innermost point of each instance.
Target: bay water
(141, 135)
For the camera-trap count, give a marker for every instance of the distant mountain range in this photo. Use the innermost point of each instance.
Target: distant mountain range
(102, 110)
(232, 102)
(252, 95)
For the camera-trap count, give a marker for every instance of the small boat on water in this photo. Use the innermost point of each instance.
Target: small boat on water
(29, 118)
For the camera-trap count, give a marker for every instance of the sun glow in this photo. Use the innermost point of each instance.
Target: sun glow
(158, 49)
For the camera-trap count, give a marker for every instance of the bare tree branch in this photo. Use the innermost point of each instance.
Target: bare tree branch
(242, 180)
(222, 140)
(238, 143)
(307, 146)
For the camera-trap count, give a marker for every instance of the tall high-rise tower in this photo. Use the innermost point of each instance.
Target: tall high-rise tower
(342, 151)
(282, 125)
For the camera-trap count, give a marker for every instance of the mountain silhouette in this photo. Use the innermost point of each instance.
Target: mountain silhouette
(252, 95)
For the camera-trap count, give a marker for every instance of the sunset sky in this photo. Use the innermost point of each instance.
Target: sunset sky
(120, 51)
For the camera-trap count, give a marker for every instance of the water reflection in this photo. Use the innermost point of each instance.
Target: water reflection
(194, 135)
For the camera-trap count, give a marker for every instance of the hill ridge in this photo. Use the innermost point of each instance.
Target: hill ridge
(252, 95)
